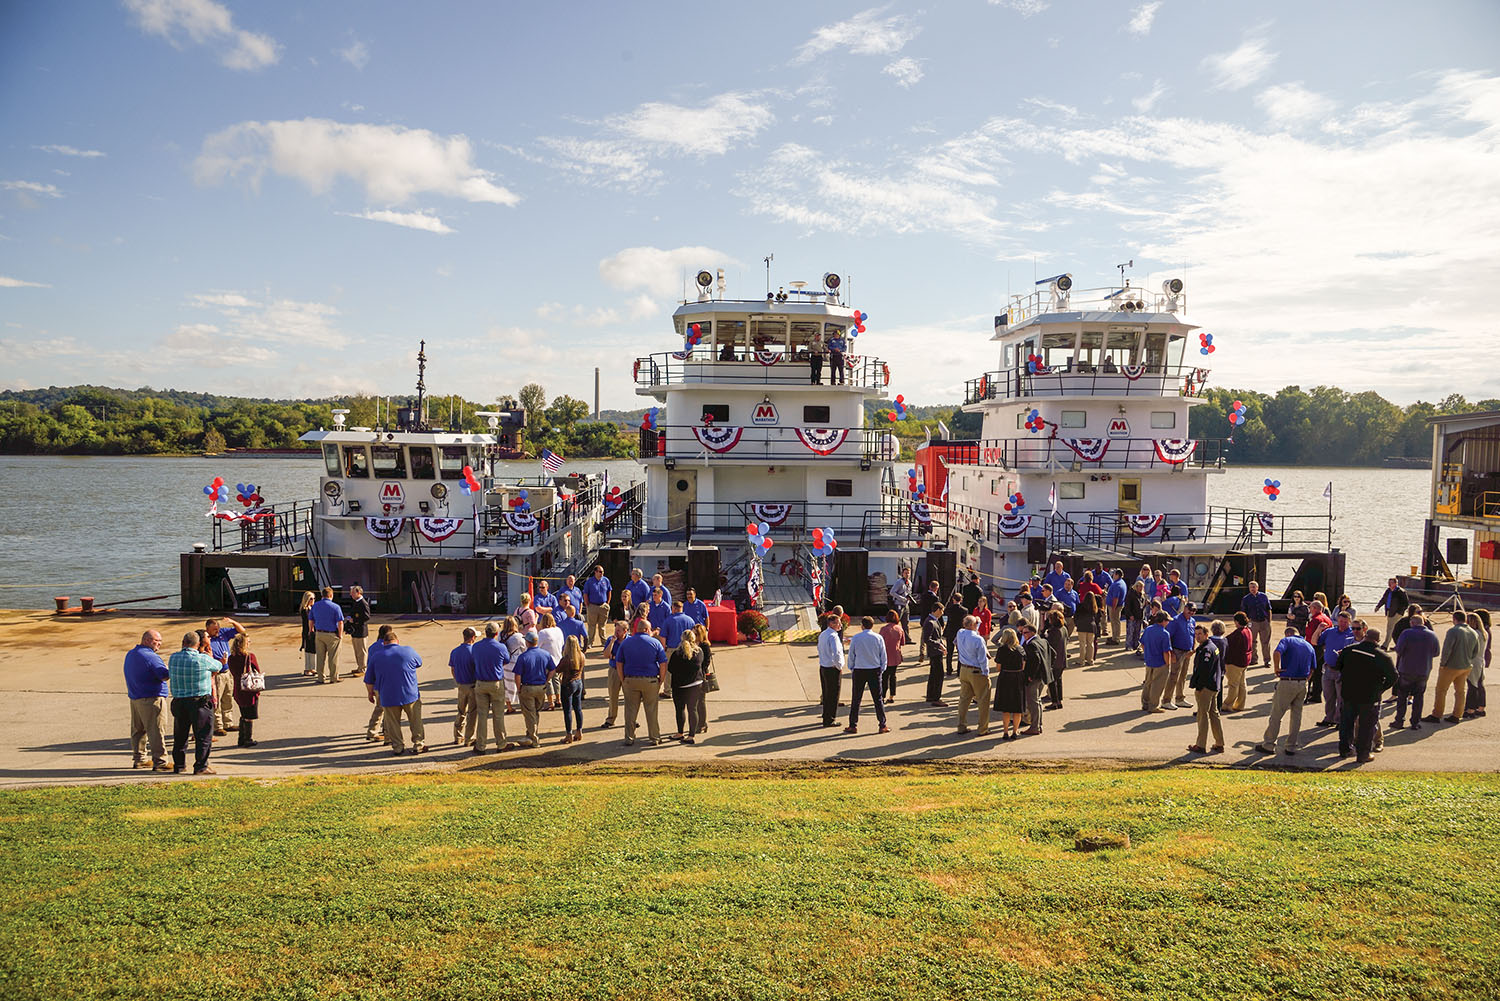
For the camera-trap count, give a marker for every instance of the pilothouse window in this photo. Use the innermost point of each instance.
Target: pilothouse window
(452, 461)
(356, 462)
(389, 462)
(422, 466)
(331, 460)
(1057, 351)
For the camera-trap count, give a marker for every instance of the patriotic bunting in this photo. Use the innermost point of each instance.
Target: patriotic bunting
(1267, 523)
(384, 529)
(524, 522)
(768, 358)
(756, 584)
(921, 512)
(1174, 450)
(1088, 449)
(1013, 526)
(771, 514)
(822, 441)
(254, 514)
(438, 529)
(1144, 524)
(1132, 372)
(718, 439)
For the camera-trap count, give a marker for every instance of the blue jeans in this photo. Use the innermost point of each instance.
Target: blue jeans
(572, 703)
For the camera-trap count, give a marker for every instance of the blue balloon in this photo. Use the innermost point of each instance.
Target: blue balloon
(764, 529)
(239, 488)
(209, 491)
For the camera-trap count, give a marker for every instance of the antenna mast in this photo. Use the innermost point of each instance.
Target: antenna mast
(769, 259)
(1122, 267)
(422, 383)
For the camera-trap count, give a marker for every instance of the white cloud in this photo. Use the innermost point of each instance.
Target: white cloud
(41, 349)
(1141, 18)
(1146, 102)
(658, 272)
(1239, 69)
(391, 163)
(411, 220)
(244, 320)
(1291, 104)
(70, 151)
(204, 22)
(357, 54)
(8, 282)
(1026, 8)
(906, 70)
(1047, 104)
(866, 34)
(229, 299)
(32, 187)
(604, 160)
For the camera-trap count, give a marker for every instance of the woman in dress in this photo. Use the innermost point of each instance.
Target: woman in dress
(1010, 684)
(309, 646)
(241, 663)
(549, 640)
(570, 683)
(700, 636)
(685, 671)
(1055, 632)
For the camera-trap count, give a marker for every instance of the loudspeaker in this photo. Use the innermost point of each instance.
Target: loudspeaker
(851, 580)
(616, 563)
(1458, 551)
(942, 566)
(702, 570)
(1036, 550)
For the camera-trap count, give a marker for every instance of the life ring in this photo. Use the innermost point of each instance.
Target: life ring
(885, 371)
(635, 371)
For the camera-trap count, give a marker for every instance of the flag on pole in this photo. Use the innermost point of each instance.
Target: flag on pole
(1328, 490)
(1052, 497)
(551, 461)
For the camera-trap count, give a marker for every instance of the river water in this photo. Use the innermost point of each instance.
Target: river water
(113, 527)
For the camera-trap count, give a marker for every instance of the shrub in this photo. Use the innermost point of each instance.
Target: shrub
(752, 621)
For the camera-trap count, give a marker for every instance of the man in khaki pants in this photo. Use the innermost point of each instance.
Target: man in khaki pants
(1461, 648)
(220, 633)
(391, 677)
(146, 684)
(328, 622)
(973, 675)
(643, 672)
(616, 685)
(534, 666)
(490, 660)
(461, 663)
(597, 593)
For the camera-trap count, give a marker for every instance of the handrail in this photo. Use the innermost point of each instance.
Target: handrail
(1053, 452)
(666, 369)
(680, 442)
(1154, 380)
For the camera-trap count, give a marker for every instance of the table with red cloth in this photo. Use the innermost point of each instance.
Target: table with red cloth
(723, 623)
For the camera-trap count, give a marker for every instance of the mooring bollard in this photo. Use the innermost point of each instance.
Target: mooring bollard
(62, 603)
(88, 605)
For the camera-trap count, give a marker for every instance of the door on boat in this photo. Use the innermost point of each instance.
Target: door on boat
(1128, 503)
(682, 491)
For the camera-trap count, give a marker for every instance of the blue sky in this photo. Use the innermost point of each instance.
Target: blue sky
(280, 199)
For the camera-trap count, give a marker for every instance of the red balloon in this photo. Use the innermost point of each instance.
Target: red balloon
(752, 529)
(900, 398)
(833, 543)
(891, 416)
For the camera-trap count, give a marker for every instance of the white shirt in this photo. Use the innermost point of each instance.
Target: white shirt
(866, 651)
(972, 651)
(550, 642)
(831, 649)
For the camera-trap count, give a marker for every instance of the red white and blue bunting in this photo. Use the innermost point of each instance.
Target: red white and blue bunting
(771, 514)
(682, 355)
(384, 529)
(718, 439)
(1088, 449)
(254, 514)
(921, 512)
(1174, 450)
(756, 584)
(1267, 523)
(1013, 526)
(822, 441)
(1145, 524)
(1132, 372)
(768, 358)
(438, 529)
(524, 522)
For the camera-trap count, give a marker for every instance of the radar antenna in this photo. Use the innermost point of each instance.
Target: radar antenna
(1122, 267)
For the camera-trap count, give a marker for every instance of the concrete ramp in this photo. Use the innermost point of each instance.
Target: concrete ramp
(787, 606)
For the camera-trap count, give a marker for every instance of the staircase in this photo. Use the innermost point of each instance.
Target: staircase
(787, 606)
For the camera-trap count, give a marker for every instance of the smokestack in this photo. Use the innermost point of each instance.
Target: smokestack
(596, 392)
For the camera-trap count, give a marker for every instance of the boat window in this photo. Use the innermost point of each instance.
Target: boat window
(816, 417)
(1007, 353)
(356, 462)
(1174, 349)
(1070, 491)
(389, 462)
(451, 461)
(422, 467)
(1120, 347)
(1156, 351)
(476, 458)
(730, 337)
(768, 335)
(331, 460)
(1163, 419)
(1057, 350)
(839, 488)
(719, 412)
(803, 334)
(1074, 418)
(1090, 350)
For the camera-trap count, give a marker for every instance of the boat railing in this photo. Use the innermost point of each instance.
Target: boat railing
(1085, 379)
(688, 443)
(1042, 452)
(1109, 299)
(789, 522)
(757, 368)
(283, 527)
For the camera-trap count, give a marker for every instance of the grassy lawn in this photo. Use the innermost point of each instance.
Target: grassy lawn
(808, 883)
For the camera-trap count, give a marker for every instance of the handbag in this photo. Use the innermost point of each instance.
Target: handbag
(252, 681)
(710, 682)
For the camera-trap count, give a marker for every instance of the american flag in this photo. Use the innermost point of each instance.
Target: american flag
(551, 461)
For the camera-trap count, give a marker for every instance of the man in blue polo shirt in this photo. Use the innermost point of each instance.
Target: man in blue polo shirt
(639, 591)
(675, 625)
(146, 684)
(328, 622)
(666, 592)
(643, 672)
(1056, 576)
(1334, 640)
(1181, 628)
(461, 663)
(543, 600)
(490, 658)
(568, 621)
(1256, 605)
(534, 666)
(597, 594)
(571, 589)
(1114, 603)
(1156, 643)
(391, 675)
(694, 607)
(658, 612)
(1068, 598)
(1292, 662)
(191, 675)
(221, 632)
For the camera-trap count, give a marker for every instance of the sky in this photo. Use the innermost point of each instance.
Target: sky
(281, 199)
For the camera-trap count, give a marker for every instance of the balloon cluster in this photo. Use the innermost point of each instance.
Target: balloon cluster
(859, 323)
(694, 336)
(248, 494)
(470, 483)
(1034, 364)
(823, 541)
(900, 407)
(217, 491)
(1206, 344)
(1016, 503)
(1237, 414)
(1272, 489)
(911, 480)
(758, 536)
(521, 501)
(613, 499)
(1034, 422)
(649, 421)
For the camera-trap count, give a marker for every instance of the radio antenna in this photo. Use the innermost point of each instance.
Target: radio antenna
(769, 259)
(1122, 267)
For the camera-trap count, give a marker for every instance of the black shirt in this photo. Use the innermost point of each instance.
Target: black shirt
(685, 670)
(1365, 672)
(359, 618)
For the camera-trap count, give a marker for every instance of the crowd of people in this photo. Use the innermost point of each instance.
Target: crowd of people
(535, 661)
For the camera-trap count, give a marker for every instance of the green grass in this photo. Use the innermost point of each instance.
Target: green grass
(811, 883)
